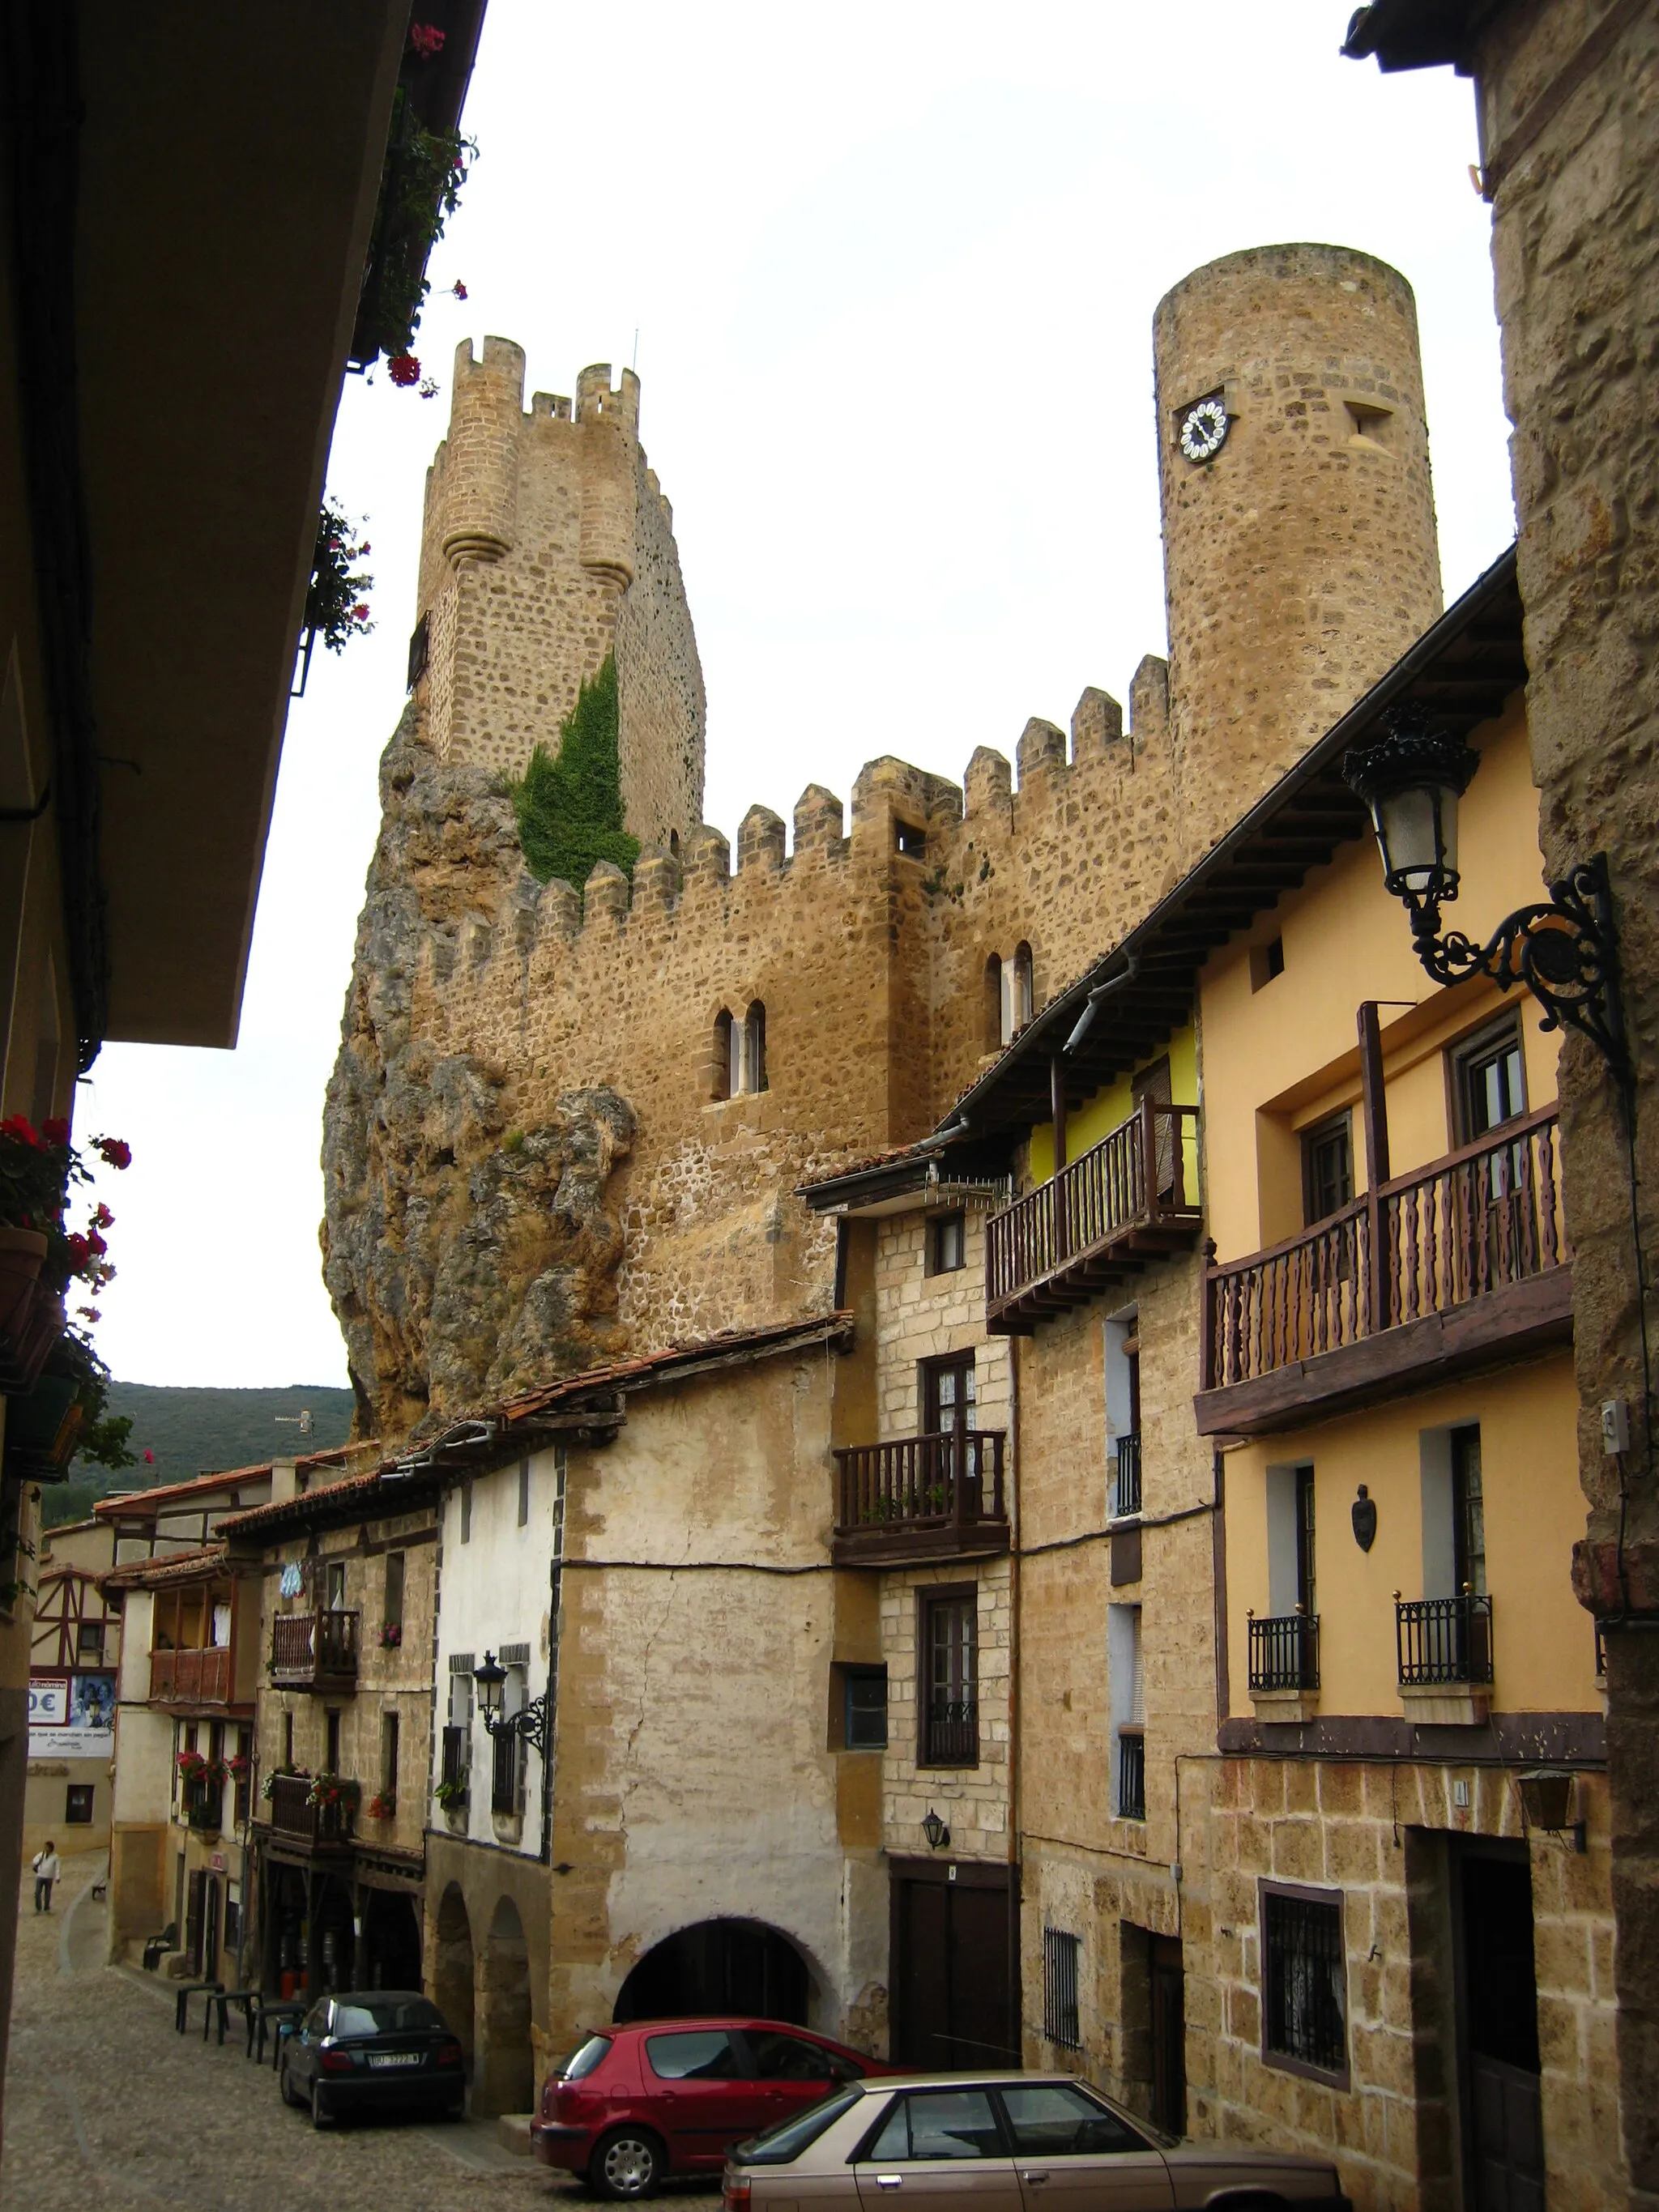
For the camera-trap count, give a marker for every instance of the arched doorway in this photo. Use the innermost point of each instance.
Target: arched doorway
(505, 2081)
(391, 1942)
(452, 1967)
(718, 1966)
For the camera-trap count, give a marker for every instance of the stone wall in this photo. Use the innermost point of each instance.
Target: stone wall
(1301, 557)
(1374, 1834)
(547, 543)
(1569, 138)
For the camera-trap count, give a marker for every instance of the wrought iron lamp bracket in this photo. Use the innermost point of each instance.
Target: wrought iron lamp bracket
(530, 1721)
(1565, 952)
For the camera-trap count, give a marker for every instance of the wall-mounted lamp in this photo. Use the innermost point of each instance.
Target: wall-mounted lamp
(1565, 952)
(1547, 1802)
(934, 1829)
(530, 1721)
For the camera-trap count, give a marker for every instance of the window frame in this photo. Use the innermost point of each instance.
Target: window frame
(1478, 1049)
(1285, 2061)
(850, 1675)
(931, 1599)
(84, 1793)
(948, 1218)
(927, 1380)
(95, 1631)
(1316, 1134)
(1062, 1985)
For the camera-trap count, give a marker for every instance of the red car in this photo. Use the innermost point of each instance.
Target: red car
(671, 2096)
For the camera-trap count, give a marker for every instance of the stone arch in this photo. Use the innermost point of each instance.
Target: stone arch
(719, 1966)
(505, 2080)
(719, 1083)
(452, 1966)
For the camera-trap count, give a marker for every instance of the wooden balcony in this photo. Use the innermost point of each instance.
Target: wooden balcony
(314, 1651)
(1456, 1266)
(921, 1497)
(321, 1830)
(1132, 1197)
(190, 1678)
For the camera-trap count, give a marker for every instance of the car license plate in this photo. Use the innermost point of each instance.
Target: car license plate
(395, 2057)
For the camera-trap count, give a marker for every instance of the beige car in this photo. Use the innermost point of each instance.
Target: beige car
(1002, 2143)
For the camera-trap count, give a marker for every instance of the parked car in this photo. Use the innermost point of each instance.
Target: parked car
(633, 2102)
(363, 2050)
(1006, 2143)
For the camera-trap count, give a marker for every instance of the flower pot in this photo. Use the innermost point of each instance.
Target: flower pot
(22, 1254)
(36, 1324)
(41, 1430)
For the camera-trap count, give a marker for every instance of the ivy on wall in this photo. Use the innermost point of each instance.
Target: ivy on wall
(570, 810)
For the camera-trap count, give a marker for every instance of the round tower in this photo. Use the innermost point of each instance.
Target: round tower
(1300, 557)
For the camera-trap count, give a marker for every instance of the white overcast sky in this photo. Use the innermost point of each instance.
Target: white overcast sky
(892, 269)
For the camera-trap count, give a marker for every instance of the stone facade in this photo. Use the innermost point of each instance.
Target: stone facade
(1299, 557)
(479, 995)
(1569, 138)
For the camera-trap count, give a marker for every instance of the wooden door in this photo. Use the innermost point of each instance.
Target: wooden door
(1169, 1994)
(955, 2006)
(195, 1907)
(1498, 2030)
(210, 1930)
(1154, 1083)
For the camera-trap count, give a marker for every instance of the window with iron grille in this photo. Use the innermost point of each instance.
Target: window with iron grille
(506, 1768)
(1304, 1979)
(950, 1686)
(1060, 1979)
(455, 1756)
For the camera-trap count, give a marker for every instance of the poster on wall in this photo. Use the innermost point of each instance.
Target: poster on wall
(73, 1718)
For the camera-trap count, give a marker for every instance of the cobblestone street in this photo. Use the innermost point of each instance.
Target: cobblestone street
(105, 2103)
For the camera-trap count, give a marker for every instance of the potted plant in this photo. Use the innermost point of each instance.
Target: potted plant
(391, 1636)
(283, 1768)
(39, 1257)
(383, 1805)
(451, 1794)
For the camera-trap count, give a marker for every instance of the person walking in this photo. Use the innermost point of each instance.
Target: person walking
(47, 1866)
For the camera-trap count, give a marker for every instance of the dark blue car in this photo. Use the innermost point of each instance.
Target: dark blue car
(366, 2050)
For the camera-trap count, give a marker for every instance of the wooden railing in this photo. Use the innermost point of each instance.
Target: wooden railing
(1480, 1219)
(922, 1482)
(1284, 1652)
(190, 1677)
(307, 1648)
(1105, 1194)
(293, 1815)
(951, 1737)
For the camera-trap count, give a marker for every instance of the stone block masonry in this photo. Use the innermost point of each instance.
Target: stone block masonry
(547, 543)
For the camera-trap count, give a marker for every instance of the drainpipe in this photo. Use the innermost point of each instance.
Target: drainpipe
(1016, 1854)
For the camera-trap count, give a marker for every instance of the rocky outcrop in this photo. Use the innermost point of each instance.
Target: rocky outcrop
(467, 1256)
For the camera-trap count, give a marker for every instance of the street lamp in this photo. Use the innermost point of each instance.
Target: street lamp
(1565, 952)
(530, 1721)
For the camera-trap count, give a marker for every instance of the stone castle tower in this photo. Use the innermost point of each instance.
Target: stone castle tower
(1300, 557)
(533, 1156)
(547, 543)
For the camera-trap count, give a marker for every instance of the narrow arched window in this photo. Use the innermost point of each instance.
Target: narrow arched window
(995, 1034)
(754, 1047)
(723, 1059)
(673, 844)
(1021, 1008)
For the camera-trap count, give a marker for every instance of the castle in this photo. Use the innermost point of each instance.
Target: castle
(568, 1120)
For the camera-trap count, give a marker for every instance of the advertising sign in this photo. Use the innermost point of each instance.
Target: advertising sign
(49, 1704)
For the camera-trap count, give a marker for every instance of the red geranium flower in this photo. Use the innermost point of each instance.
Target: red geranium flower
(56, 1132)
(459, 288)
(150, 1459)
(115, 1151)
(404, 368)
(19, 1125)
(426, 39)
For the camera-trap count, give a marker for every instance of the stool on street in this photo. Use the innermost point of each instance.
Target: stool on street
(181, 2002)
(280, 2012)
(224, 2000)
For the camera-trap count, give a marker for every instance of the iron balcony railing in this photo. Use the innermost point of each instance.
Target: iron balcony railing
(506, 1774)
(1126, 1491)
(1135, 1191)
(329, 1826)
(190, 1677)
(1443, 1640)
(1131, 1774)
(952, 1480)
(308, 1649)
(1285, 1652)
(951, 1733)
(1425, 1244)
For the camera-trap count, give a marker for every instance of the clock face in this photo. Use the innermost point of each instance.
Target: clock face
(1204, 429)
